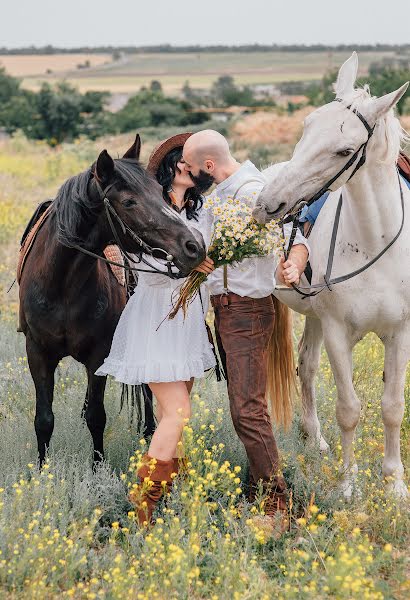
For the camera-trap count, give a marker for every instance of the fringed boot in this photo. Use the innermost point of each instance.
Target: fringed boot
(155, 480)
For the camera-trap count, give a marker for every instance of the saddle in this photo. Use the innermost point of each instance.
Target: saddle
(403, 164)
(38, 219)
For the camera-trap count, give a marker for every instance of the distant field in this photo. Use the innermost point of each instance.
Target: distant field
(37, 64)
(200, 69)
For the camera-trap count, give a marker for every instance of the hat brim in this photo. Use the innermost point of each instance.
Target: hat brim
(162, 149)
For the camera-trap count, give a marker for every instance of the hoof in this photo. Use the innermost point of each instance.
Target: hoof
(349, 484)
(398, 489)
(323, 446)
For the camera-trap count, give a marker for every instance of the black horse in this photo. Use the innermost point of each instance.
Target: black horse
(70, 301)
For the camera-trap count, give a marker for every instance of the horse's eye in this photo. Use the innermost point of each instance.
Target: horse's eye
(344, 152)
(129, 202)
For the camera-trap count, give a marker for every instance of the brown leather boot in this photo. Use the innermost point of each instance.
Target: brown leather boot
(155, 480)
(275, 505)
(175, 464)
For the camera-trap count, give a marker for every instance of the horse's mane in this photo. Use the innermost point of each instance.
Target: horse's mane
(388, 134)
(73, 206)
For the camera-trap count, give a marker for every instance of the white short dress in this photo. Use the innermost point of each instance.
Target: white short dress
(147, 346)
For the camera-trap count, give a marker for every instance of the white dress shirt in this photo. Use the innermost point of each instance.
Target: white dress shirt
(252, 277)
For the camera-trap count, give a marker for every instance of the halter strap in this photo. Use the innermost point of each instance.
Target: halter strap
(350, 162)
(327, 277)
(359, 114)
(144, 248)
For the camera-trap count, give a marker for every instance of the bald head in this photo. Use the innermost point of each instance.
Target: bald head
(208, 152)
(208, 145)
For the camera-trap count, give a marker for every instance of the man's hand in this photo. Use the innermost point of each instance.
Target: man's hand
(207, 266)
(289, 271)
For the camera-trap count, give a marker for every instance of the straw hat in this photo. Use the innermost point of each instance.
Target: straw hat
(162, 149)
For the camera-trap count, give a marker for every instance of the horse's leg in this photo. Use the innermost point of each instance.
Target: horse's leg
(339, 349)
(309, 356)
(42, 367)
(395, 362)
(95, 412)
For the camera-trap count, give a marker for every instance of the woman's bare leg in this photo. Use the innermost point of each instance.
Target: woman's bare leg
(158, 411)
(174, 403)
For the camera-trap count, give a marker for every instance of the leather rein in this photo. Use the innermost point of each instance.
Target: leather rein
(328, 281)
(111, 214)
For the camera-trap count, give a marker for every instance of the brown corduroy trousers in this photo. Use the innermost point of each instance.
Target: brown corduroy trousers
(243, 329)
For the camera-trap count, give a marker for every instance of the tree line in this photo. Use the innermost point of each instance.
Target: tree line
(168, 48)
(62, 113)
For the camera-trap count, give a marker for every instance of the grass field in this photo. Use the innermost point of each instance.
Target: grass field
(38, 64)
(69, 532)
(172, 70)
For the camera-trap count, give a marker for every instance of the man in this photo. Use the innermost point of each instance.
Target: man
(241, 296)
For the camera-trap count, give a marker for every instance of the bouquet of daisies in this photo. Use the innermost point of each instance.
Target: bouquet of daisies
(236, 236)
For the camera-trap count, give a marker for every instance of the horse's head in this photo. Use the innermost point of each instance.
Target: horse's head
(137, 199)
(334, 140)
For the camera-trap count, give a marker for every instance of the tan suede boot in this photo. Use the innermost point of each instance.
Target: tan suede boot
(155, 480)
(275, 505)
(175, 464)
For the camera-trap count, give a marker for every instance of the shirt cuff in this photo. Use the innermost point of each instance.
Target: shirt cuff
(299, 238)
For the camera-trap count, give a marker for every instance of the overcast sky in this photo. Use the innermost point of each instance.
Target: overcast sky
(71, 23)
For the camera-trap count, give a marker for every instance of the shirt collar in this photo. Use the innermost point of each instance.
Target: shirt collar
(235, 178)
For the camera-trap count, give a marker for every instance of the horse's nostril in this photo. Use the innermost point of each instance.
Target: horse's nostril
(192, 248)
(272, 213)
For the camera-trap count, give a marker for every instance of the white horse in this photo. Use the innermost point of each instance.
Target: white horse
(377, 299)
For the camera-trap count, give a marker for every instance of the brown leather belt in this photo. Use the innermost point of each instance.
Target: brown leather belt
(227, 299)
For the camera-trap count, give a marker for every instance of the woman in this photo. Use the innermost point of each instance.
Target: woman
(165, 354)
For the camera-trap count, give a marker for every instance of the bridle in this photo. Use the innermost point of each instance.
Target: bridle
(144, 248)
(294, 217)
(362, 149)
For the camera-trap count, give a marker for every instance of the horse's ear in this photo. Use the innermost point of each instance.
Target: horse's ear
(347, 76)
(134, 151)
(380, 106)
(104, 169)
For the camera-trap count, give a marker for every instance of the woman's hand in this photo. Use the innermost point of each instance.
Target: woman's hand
(207, 266)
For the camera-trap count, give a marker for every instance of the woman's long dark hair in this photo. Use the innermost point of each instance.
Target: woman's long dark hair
(165, 176)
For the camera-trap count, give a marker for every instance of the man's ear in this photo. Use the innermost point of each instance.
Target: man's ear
(104, 169)
(210, 165)
(135, 150)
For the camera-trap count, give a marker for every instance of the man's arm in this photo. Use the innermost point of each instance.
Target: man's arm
(290, 271)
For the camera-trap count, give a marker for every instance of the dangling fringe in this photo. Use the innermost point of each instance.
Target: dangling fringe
(136, 397)
(133, 397)
(218, 369)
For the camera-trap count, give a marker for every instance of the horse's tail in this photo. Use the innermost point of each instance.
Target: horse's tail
(281, 384)
(138, 399)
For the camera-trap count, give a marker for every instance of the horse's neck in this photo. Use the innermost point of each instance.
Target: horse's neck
(64, 262)
(371, 213)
